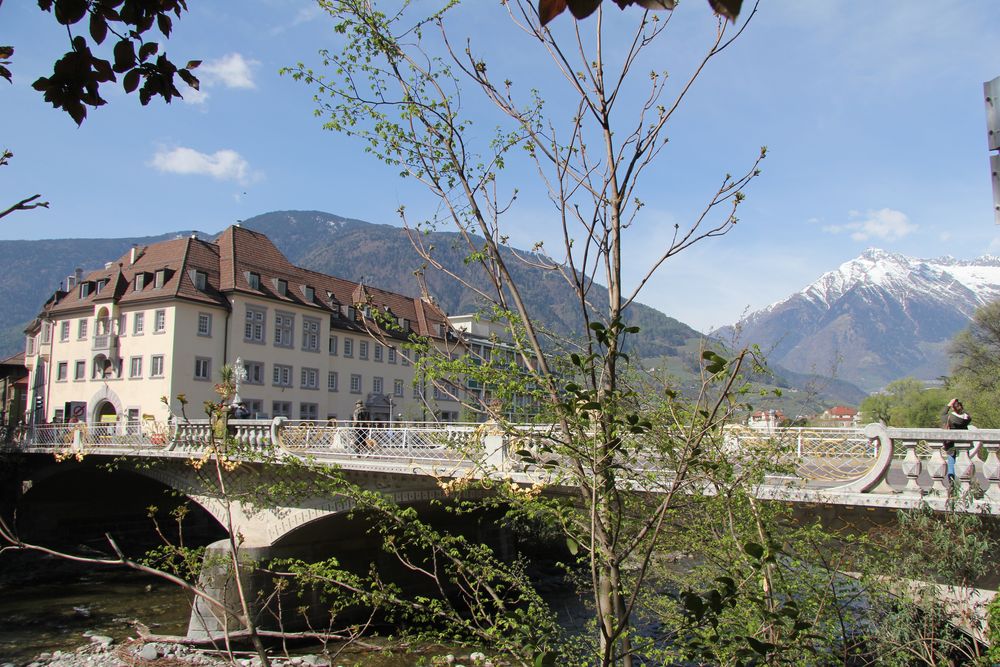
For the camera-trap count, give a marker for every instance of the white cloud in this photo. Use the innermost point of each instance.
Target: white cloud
(231, 70)
(223, 165)
(885, 224)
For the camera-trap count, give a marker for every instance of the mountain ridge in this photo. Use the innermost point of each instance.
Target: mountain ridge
(876, 318)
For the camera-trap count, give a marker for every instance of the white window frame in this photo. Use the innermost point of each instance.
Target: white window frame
(348, 347)
(156, 366)
(206, 319)
(255, 372)
(203, 368)
(397, 388)
(255, 325)
(363, 349)
(310, 334)
(135, 367)
(332, 381)
(378, 384)
(355, 383)
(309, 378)
(64, 331)
(138, 323)
(159, 321)
(332, 346)
(284, 329)
(281, 375)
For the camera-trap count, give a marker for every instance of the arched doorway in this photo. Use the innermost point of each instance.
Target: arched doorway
(106, 412)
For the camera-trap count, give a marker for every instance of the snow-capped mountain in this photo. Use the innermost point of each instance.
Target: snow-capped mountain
(877, 318)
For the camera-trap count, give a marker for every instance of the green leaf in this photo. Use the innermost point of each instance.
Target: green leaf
(760, 647)
(572, 545)
(754, 550)
(547, 659)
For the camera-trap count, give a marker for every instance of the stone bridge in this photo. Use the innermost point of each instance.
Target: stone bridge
(875, 468)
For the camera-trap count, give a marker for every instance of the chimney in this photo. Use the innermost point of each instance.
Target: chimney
(194, 236)
(79, 275)
(70, 282)
(133, 254)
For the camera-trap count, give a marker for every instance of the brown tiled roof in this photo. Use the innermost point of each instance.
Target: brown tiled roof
(227, 262)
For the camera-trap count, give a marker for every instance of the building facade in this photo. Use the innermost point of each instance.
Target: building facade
(163, 320)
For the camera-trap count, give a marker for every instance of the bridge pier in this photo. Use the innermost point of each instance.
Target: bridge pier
(218, 580)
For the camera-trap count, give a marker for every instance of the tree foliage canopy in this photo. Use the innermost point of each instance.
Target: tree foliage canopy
(77, 76)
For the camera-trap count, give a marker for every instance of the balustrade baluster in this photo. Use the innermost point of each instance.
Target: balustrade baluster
(937, 467)
(964, 467)
(912, 467)
(991, 469)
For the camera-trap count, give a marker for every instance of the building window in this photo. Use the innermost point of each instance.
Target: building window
(159, 278)
(64, 331)
(281, 409)
(30, 345)
(62, 371)
(355, 384)
(397, 388)
(310, 334)
(202, 368)
(348, 347)
(204, 324)
(138, 323)
(281, 376)
(308, 411)
(392, 355)
(403, 359)
(81, 329)
(282, 286)
(121, 325)
(135, 367)
(156, 366)
(255, 407)
(332, 381)
(57, 416)
(200, 280)
(333, 346)
(309, 378)
(417, 391)
(377, 384)
(84, 289)
(283, 323)
(378, 351)
(80, 370)
(255, 372)
(254, 281)
(309, 293)
(140, 282)
(159, 321)
(253, 328)
(362, 349)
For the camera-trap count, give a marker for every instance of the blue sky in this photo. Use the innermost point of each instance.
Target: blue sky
(872, 113)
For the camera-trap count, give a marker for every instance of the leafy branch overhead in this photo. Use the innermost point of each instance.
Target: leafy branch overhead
(581, 9)
(75, 82)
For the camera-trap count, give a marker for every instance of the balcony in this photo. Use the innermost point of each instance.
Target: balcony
(105, 342)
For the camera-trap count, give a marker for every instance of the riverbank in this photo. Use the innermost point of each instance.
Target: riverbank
(103, 651)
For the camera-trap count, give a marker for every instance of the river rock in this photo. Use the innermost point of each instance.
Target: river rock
(101, 640)
(149, 652)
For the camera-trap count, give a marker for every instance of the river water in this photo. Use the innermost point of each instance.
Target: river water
(47, 605)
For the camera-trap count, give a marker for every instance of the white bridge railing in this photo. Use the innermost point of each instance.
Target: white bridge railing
(840, 460)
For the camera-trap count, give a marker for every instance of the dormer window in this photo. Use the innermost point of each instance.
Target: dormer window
(85, 289)
(281, 286)
(253, 279)
(140, 282)
(309, 293)
(100, 285)
(200, 279)
(160, 278)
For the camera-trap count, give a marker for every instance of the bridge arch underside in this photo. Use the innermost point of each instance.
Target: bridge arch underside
(73, 504)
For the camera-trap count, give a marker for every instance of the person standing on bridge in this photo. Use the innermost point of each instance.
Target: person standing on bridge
(955, 417)
(360, 419)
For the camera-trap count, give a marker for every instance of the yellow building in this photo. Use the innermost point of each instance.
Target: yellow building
(163, 319)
